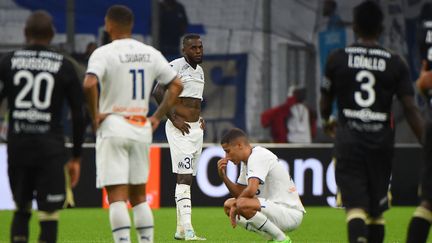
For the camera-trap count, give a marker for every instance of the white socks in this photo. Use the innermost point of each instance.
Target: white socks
(248, 226)
(260, 222)
(120, 222)
(143, 220)
(184, 207)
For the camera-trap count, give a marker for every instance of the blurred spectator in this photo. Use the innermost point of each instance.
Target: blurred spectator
(173, 25)
(292, 121)
(84, 57)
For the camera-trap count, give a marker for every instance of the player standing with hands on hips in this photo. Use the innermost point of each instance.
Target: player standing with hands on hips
(185, 130)
(265, 199)
(126, 70)
(364, 78)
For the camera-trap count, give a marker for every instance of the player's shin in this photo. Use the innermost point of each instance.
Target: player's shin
(120, 222)
(143, 219)
(420, 223)
(48, 223)
(184, 205)
(245, 224)
(20, 228)
(376, 229)
(357, 230)
(262, 223)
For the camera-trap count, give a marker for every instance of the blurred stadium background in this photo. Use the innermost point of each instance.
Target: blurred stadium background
(254, 51)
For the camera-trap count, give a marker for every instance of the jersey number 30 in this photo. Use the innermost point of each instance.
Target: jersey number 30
(32, 84)
(367, 80)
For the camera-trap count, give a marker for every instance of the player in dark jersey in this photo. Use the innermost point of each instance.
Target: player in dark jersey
(364, 78)
(421, 220)
(36, 81)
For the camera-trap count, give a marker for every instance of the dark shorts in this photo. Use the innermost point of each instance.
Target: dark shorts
(363, 176)
(426, 181)
(43, 180)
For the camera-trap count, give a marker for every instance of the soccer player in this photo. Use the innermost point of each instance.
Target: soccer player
(125, 70)
(420, 223)
(184, 130)
(265, 198)
(36, 81)
(364, 78)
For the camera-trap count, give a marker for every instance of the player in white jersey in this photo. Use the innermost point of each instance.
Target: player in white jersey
(125, 70)
(265, 198)
(184, 130)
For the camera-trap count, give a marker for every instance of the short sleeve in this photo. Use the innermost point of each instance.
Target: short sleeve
(242, 176)
(404, 85)
(164, 73)
(258, 167)
(97, 64)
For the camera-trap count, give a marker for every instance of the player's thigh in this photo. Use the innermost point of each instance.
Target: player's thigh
(50, 184)
(139, 162)
(182, 150)
(352, 180)
(112, 161)
(198, 139)
(285, 218)
(22, 183)
(379, 166)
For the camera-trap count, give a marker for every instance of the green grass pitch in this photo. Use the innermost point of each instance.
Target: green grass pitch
(320, 224)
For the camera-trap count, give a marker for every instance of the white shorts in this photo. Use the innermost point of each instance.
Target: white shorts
(285, 218)
(121, 161)
(185, 149)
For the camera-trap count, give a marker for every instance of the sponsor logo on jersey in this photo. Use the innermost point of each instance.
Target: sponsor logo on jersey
(55, 197)
(365, 115)
(31, 115)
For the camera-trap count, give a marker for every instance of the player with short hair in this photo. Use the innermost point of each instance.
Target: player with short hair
(126, 69)
(184, 130)
(364, 78)
(36, 80)
(265, 197)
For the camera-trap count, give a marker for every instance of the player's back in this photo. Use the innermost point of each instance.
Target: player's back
(364, 80)
(128, 76)
(36, 82)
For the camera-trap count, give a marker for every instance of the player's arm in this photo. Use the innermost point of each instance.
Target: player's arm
(175, 87)
(158, 94)
(413, 116)
(251, 189)
(234, 188)
(75, 97)
(91, 94)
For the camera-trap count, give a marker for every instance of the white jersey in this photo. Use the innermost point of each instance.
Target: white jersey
(192, 79)
(276, 184)
(126, 70)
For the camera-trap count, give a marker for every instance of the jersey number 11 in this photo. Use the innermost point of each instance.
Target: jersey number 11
(135, 80)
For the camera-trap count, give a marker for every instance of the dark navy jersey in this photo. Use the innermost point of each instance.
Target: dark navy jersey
(36, 81)
(364, 80)
(425, 42)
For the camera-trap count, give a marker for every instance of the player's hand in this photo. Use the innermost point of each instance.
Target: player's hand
(222, 165)
(100, 117)
(74, 169)
(154, 121)
(234, 216)
(330, 128)
(180, 123)
(424, 82)
(202, 123)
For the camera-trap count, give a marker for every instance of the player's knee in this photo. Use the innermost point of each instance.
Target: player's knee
(356, 213)
(424, 213)
(184, 179)
(25, 208)
(48, 215)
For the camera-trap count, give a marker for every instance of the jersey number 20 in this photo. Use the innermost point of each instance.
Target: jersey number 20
(367, 86)
(32, 84)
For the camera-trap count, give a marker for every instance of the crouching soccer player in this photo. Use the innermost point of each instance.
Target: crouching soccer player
(265, 198)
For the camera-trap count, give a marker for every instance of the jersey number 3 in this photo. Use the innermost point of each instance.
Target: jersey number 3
(367, 80)
(32, 84)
